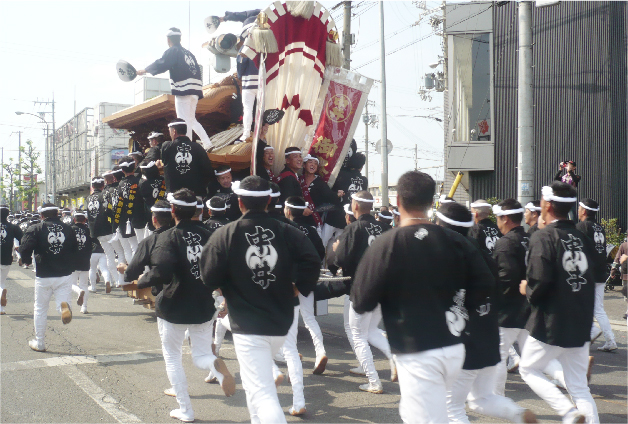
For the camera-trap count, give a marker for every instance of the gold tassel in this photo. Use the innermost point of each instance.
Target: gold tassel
(303, 9)
(333, 54)
(263, 40)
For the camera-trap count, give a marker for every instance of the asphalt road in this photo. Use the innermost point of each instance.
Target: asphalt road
(107, 366)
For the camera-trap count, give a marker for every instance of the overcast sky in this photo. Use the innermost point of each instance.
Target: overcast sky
(71, 48)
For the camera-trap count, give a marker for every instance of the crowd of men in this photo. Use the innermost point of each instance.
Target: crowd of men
(455, 290)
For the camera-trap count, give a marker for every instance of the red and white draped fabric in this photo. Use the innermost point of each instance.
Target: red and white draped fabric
(294, 75)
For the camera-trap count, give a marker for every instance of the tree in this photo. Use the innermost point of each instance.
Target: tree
(30, 168)
(14, 184)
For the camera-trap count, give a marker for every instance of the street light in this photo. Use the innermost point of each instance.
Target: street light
(47, 153)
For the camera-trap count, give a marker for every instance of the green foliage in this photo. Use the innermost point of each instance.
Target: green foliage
(493, 201)
(614, 235)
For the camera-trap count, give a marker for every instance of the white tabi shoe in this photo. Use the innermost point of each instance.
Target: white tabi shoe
(279, 379)
(573, 417)
(170, 392)
(393, 371)
(39, 347)
(107, 287)
(597, 332)
(84, 309)
(280, 358)
(226, 380)
(609, 346)
(372, 388)
(527, 416)
(211, 378)
(3, 298)
(66, 313)
(185, 416)
(319, 367)
(81, 297)
(357, 371)
(295, 412)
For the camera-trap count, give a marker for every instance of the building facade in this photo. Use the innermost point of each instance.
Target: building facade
(580, 98)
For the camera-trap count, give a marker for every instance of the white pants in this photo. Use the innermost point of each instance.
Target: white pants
(147, 231)
(98, 260)
(600, 314)
(185, 107)
(365, 331)
(255, 356)
(424, 379)
(172, 336)
(222, 325)
(507, 337)
(307, 312)
(248, 100)
(4, 274)
(129, 245)
(329, 234)
(140, 234)
(111, 248)
(536, 355)
(345, 316)
(295, 367)
(80, 283)
(61, 288)
(476, 387)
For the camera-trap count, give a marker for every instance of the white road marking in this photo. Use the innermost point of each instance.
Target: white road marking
(106, 402)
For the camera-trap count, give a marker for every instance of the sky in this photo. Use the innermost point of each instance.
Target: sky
(70, 48)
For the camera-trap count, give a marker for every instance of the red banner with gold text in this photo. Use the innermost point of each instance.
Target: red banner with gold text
(341, 107)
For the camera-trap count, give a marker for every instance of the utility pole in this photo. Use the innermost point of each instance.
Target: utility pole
(416, 157)
(346, 35)
(51, 165)
(366, 120)
(19, 157)
(525, 130)
(2, 176)
(384, 138)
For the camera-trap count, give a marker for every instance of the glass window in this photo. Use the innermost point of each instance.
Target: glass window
(470, 89)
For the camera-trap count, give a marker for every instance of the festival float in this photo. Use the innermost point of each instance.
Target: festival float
(295, 47)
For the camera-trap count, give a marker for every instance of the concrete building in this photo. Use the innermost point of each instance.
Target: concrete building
(580, 98)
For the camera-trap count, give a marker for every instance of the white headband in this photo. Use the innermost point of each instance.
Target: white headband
(242, 192)
(199, 206)
(172, 124)
(278, 206)
(98, 180)
(530, 206)
(548, 195)
(293, 151)
(444, 199)
(269, 148)
(480, 205)
(126, 163)
(154, 135)
(498, 211)
(174, 201)
(214, 209)
(384, 216)
(589, 208)
(275, 194)
(173, 33)
(136, 153)
(290, 205)
(49, 208)
(310, 157)
(4, 207)
(347, 211)
(455, 223)
(359, 199)
(107, 173)
(223, 172)
(148, 165)
(396, 212)
(154, 209)
(80, 213)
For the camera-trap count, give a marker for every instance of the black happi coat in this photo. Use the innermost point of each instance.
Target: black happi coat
(176, 259)
(486, 234)
(110, 198)
(142, 258)
(510, 254)
(595, 232)
(153, 154)
(350, 181)
(255, 260)
(323, 195)
(354, 241)
(130, 205)
(185, 74)
(532, 230)
(151, 190)
(561, 285)
(8, 233)
(97, 218)
(55, 247)
(231, 199)
(425, 300)
(84, 246)
(186, 165)
(289, 185)
(96, 246)
(311, 234)
(215, 222)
